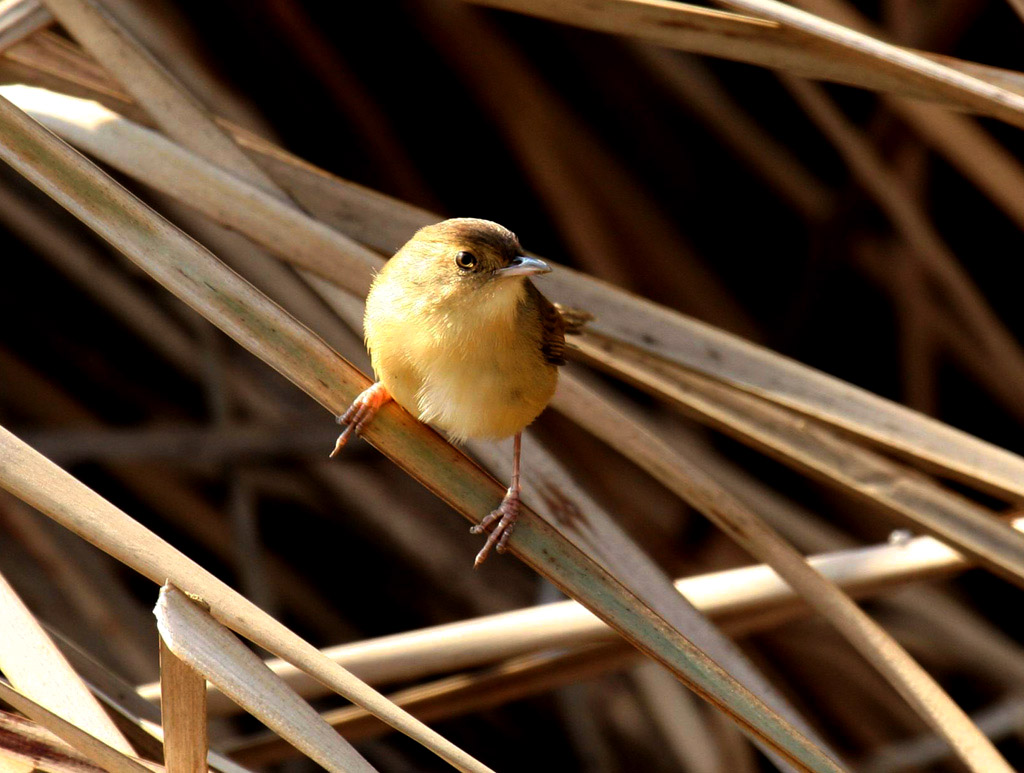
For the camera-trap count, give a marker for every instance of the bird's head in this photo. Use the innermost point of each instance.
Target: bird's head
(467, 260)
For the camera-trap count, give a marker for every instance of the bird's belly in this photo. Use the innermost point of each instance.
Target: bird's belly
(490, 396)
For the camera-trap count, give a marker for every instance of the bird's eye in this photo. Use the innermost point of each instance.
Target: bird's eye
(465, 260)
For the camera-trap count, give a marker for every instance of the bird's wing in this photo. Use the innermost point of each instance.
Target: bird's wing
(552, 327)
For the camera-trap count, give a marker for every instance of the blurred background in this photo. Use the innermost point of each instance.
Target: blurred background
(827, 223)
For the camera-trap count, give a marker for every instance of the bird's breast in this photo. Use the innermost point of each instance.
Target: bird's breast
(471, 375)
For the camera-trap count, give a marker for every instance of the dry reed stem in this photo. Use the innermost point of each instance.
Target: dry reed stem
(182, 714)
(136, 714)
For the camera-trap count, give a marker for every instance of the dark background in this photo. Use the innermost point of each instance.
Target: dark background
(419, 100)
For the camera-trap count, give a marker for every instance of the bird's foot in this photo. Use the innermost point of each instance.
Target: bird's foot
(505, 517)
(360, 413)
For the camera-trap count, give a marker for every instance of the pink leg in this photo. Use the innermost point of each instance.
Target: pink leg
(361, 413)
(505, 515)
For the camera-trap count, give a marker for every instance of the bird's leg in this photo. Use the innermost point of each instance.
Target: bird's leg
(506, 513)
(361, 413)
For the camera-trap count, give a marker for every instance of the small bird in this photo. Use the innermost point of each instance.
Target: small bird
(460, 338)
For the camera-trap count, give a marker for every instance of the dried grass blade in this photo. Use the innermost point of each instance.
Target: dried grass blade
(641, 444)
(34, 665)
(101, 754)
(195, 275)
(192, 635)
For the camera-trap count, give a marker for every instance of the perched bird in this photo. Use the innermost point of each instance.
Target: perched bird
(460, 338)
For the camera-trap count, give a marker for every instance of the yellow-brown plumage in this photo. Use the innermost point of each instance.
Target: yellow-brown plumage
(460, 338)
(469, 351)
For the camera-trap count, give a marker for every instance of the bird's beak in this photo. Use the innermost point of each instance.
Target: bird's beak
(523, 266)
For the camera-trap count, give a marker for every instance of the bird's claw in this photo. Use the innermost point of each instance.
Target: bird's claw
(504, 516)
(360, 414)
